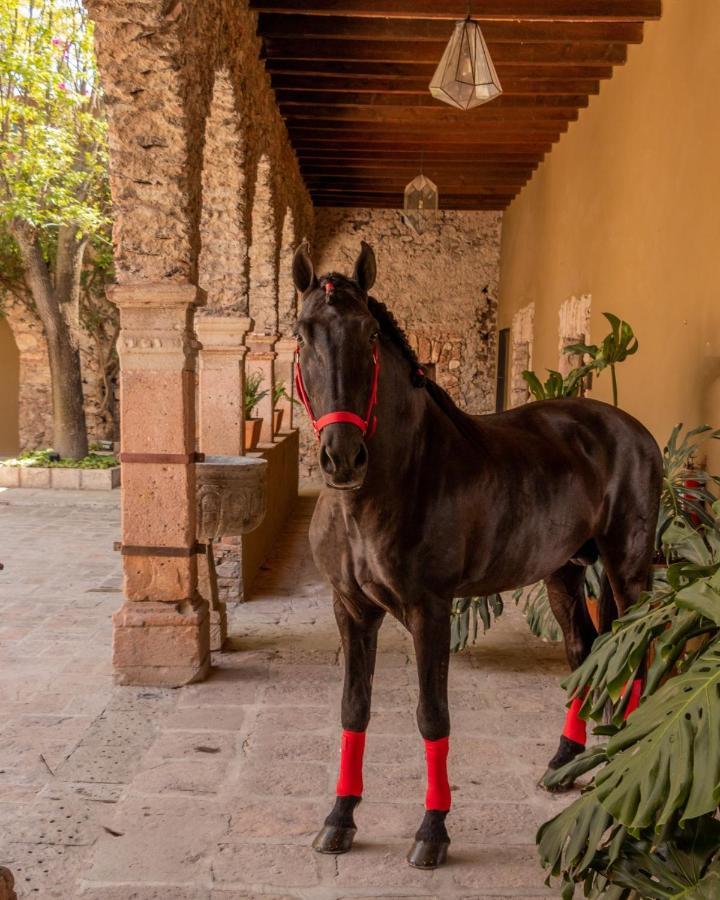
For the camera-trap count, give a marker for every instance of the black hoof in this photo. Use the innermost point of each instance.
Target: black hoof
(561, 787)
(334, 839)
(428, 854)
(566, 752)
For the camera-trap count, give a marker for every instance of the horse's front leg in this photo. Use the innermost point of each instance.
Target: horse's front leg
(431, 637)
(359, 641)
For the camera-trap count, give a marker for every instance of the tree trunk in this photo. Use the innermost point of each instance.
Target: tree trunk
(69, 428)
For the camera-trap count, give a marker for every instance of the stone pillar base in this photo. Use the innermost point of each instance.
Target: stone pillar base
(218, 627)
(161, 644)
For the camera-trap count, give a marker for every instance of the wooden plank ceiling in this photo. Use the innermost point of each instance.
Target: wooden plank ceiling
(351, 81)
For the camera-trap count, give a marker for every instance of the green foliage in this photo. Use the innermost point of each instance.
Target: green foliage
(466, 613)
(679, 501)
(614, 348)
(53, 144)
(254, 392)
(49, 459)
(556, 386)
(538, 614)
(646, 825)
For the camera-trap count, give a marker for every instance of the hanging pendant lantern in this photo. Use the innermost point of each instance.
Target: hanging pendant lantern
(421, 203)
(466, 76)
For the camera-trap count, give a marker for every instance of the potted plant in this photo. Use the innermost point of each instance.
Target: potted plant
(254, 394)
(279, 393)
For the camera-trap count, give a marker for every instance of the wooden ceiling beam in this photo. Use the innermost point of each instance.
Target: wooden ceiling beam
(446, 186)
(400, 170)
(499, 145)
(412, 71)
(330, 99)
(441, 117)
(401, 157)
(393, 201)
(495, 31)
(301, 84)
(557, 10)
(546, 53)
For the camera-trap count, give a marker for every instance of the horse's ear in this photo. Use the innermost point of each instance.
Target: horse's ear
(303, 270)
(365, 268)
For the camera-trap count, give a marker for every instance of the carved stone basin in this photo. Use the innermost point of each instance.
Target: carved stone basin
(231, 495)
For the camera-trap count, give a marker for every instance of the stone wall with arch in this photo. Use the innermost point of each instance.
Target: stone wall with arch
(188, 97)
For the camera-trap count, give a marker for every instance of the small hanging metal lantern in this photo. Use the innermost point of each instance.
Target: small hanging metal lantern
(421, 203)
(466, 76)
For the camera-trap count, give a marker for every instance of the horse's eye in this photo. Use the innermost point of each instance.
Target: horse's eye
(299, 339)
(374, 336)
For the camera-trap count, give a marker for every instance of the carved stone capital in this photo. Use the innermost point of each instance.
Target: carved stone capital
(223, 334)
(156, 325)
(231, 495)
(261, 346)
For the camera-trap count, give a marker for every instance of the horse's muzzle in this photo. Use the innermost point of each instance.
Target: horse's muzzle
(343, 457)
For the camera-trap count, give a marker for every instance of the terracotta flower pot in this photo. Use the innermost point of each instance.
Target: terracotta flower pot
(277, 420)
(252, 433)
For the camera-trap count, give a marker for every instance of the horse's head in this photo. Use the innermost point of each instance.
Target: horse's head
(338, 364)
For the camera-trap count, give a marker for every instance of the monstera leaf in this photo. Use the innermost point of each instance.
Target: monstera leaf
(466, 613)
(666, 761)
(617, 655)
(680, 867)
(538, 613)
(569, 843)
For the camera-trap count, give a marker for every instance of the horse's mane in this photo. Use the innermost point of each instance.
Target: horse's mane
(390, 328)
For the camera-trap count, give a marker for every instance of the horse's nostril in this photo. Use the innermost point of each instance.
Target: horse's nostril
(361, 457)
(326, 462)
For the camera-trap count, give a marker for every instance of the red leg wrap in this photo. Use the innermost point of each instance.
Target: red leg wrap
(636, 690)
(438, 786)
(575, 728)
(352, 747)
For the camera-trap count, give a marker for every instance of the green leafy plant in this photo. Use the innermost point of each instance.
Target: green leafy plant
(555, 385)
(538, 614)
(645, 826)
(467, 613)
(54, 193)
(50, 459)
(254, 392)
(614, 348)
(691, 503)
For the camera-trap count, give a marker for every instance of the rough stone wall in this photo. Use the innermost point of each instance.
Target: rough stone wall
(158, 62)
(435, 286)
(521, 353)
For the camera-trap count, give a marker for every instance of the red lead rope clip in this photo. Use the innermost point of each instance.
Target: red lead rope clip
(366, 425)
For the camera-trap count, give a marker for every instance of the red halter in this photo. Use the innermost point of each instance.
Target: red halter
(366, 425)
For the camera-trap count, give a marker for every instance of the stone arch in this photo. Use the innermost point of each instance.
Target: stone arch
(287, 295)
(34, 393)
(521, 353)
(574, 328)
(9, 391)
(263, 274)
(223, 258)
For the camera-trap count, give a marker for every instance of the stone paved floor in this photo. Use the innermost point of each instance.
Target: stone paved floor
(214, 792)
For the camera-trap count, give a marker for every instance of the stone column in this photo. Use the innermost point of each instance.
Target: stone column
(222, 383)
(161, 634)
(222, 433)
(284, 371)
(261, 358)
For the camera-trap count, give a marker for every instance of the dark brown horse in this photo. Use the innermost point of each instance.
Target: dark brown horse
(427, 503)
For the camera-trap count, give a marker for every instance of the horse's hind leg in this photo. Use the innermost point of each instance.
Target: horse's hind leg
(567, 601)
(359, 640)
(626, 552)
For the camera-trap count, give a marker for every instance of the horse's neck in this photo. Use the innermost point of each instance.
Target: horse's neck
(403, 421)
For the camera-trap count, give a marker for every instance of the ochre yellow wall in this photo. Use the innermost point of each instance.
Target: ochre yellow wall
(9, 371)
(626, 207)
